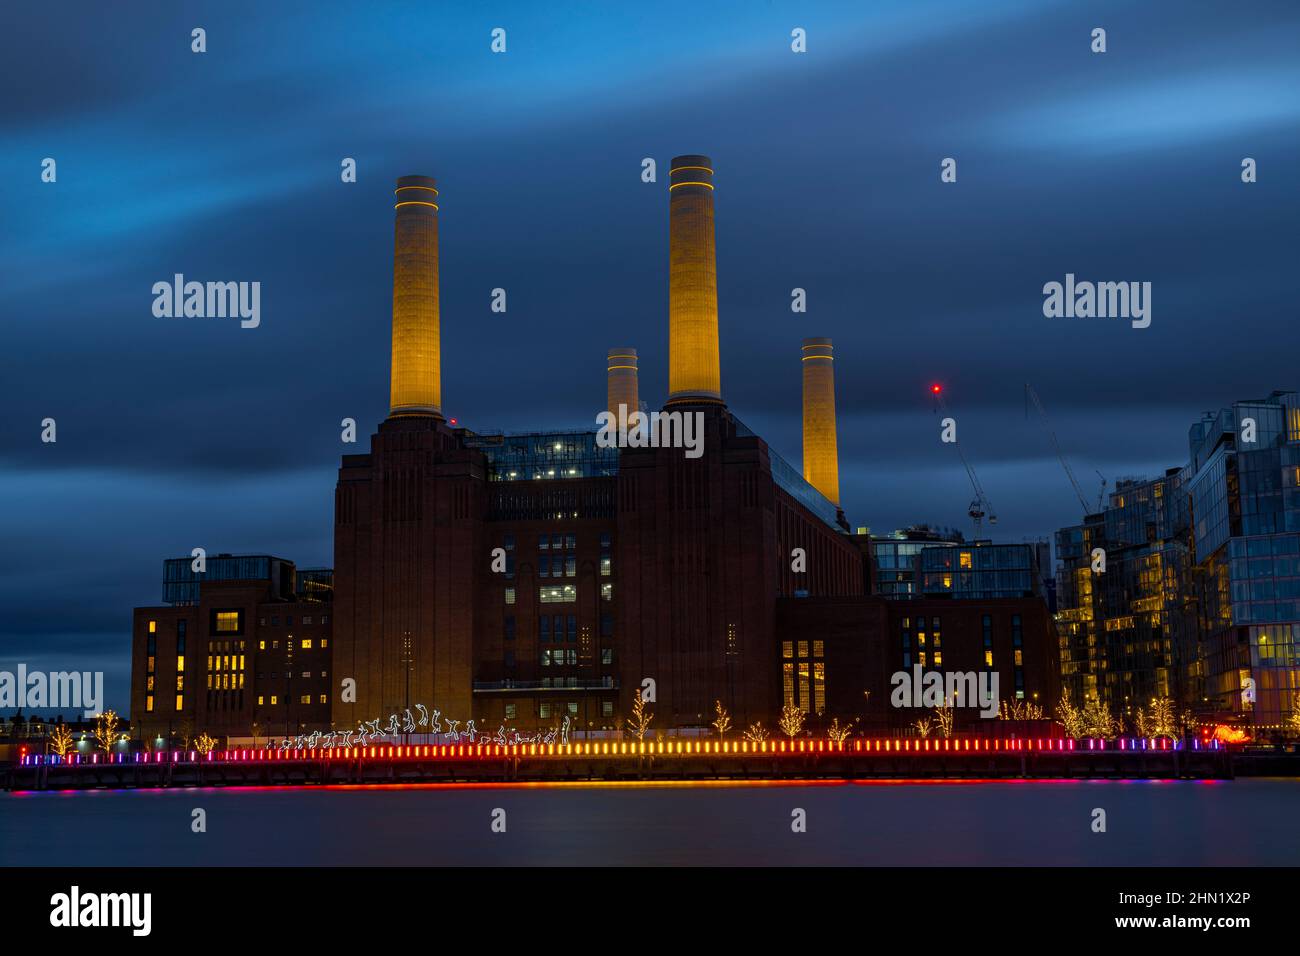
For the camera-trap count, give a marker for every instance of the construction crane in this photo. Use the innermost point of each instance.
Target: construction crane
(1060, 456)
(980, 506)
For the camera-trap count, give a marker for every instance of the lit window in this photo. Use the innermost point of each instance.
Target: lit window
(260, 700)
(559, 593)
(305, 699)
(544, 710)
(510, 595)
(261, 645)
(324, 642)
(180, 701)
(607, 708)
(148, 702)
(512, 711)
(988, 658)
(227, 622)
(306, 643)
(153, 626)
(324, 699)
(180, 662)
(607, 592)
(963, 559)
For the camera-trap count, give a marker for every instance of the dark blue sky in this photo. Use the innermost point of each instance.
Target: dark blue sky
(176, 433)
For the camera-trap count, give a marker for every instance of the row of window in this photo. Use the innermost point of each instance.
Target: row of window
(148, 702)
(302, 699)
(306, 644)
(560, 593)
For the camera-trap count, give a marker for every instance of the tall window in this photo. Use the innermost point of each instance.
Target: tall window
(803, 675)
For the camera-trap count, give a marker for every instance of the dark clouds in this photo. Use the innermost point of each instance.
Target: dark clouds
(224, 166)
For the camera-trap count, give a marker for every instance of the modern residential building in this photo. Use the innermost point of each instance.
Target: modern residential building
(1200, 596)
(243, 644)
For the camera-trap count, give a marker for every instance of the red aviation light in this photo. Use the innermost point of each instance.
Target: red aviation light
(936, 388)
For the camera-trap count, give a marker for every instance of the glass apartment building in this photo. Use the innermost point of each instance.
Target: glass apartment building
(924, 562)
(1200, 598)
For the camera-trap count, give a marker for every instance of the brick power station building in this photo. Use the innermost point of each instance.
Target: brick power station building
(518, 579)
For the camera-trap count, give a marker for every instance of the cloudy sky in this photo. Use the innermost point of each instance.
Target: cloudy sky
(176, 433)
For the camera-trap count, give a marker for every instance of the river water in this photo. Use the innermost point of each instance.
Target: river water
(903, 823)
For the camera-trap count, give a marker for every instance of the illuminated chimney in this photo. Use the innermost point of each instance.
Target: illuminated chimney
(622, 385)
(416, 383)
(693, 374)
(821, 464)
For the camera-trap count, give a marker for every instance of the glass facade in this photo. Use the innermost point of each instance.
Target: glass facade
(181, 581)
(921, 562)
(533, 456)
(1200, 597)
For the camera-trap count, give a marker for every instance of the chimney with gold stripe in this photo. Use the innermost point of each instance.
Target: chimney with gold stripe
(416, 382)
(821, 464)
(622, 383)
(693, 375)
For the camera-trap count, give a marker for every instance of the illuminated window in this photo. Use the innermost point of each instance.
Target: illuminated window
(607, 592)
(803, 648)
(1019, 657)
(180, 662)
(148, 682)
(260, 700)
(324, 642)
(787, 678)
(988, 658)
(261, 645)
(819, 648)
(510, 595)
(180, 681)
(227, 622)
(274, 700)
(148, 702)
(149, 664)
(306, 643)
(305, 699)
(544, 710)
(560, 593)
(963, 560)
(153, 626)
(180, 701)
(324, 699)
